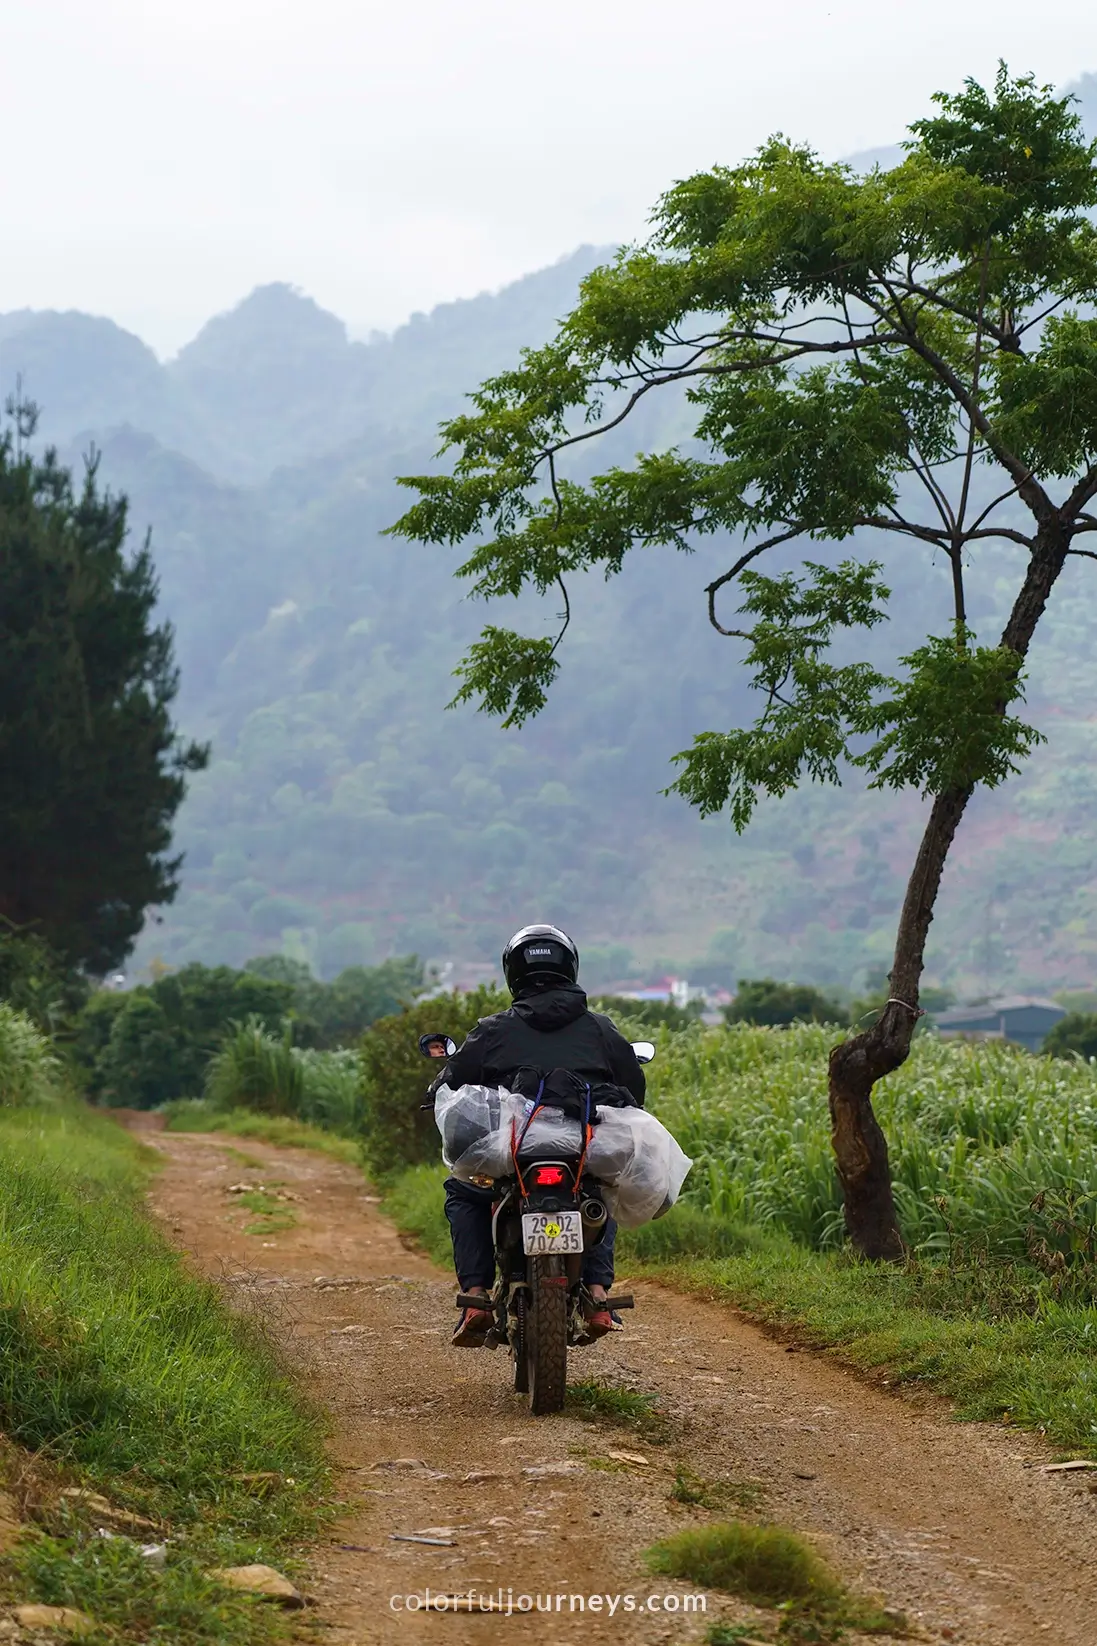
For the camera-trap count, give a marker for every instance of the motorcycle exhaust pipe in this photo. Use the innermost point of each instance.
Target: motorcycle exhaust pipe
(593, 1213)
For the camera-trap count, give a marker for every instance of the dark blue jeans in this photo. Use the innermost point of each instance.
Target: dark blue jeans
(468, 1210)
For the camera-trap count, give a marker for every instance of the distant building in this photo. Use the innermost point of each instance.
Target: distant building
(1024, 1021)
(676, 991)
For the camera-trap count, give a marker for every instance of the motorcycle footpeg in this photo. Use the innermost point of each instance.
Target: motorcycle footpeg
(471, 1300)
(625, 1301)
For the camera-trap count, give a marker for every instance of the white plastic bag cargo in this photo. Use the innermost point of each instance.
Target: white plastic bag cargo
(640, 1164)
(465, 1116)
(478, 1123)
(631, 1153)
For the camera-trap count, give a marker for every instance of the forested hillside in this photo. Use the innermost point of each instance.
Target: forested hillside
(345, 816)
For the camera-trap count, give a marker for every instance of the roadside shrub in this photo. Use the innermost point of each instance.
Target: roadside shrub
(28, 1068)
(37, 981)
(1076, 1033)
(152, 1045)
(155, 1045)
(762, 1000)
(396, 1132)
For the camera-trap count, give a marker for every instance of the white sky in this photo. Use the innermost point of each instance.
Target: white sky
(160, 160)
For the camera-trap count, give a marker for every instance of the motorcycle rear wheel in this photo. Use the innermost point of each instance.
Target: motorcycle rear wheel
(547, 1335)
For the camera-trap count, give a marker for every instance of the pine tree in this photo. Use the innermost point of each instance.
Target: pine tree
(92, 769)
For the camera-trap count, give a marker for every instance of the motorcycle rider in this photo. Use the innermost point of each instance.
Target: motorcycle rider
(549, 1026)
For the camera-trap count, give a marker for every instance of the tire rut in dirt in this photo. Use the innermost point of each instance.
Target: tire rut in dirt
(548, 1336)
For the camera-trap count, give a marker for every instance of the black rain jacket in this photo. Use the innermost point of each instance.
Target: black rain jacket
(546, 1028)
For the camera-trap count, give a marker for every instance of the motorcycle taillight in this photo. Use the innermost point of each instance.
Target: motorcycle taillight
(548, 1177)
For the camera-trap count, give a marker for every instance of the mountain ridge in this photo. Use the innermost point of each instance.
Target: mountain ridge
(346, 816)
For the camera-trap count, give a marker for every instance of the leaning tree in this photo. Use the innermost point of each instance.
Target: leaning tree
(903, 353)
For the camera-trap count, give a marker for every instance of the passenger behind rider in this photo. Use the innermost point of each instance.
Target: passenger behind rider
(549, 1026)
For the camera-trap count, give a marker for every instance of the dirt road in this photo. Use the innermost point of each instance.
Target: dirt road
(954, 1524)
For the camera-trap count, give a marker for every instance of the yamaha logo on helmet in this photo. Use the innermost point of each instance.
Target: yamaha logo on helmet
(537, 955)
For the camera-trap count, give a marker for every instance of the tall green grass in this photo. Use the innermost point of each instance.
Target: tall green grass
(258, 1070)
(989, 1145)
(122, 1368)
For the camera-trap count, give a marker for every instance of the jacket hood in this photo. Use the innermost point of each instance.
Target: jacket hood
(554, 1007)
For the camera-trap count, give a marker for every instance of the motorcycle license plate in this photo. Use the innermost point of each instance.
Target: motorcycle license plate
(551, 1232)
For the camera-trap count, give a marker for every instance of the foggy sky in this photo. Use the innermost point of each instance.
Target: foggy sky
(161, 160)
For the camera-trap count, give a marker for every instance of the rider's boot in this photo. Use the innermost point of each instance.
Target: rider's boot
(596, 1317)
(474, 1324)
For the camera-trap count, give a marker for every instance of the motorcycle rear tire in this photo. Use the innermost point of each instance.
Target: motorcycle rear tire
(547, 1335)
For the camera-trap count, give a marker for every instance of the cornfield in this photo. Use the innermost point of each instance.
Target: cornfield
(990, 1146)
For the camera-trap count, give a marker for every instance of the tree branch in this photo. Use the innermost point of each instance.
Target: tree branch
(990, 508)
(1083, 493)
(1019, 331)
(934, 295)
(921, 468)
(1007, 532)
(744, 560)
(975, 373)
(907, 528)
(567, 610)
(1025, 481)
(555, 490)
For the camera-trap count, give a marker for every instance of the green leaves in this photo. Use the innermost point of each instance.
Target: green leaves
(847, 348)
(1023, 141)
(820, 447)
(813, 707)
(1048, 401)
(943, 727)
(509, 672)
(946, 726)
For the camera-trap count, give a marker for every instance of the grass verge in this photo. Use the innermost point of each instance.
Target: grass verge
(123, 1372)
(1002, 1340)
(771, 1566)
(195, 1114)
(991, 1336)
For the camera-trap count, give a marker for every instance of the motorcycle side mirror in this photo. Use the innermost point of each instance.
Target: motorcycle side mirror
(437, 1045)
(644, 1050)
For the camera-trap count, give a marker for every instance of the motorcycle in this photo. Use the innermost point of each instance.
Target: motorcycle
(545, 1214)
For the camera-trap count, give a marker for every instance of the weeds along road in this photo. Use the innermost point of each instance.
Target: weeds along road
(954, 1524)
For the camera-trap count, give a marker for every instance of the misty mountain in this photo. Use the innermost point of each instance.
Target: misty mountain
(347, 816)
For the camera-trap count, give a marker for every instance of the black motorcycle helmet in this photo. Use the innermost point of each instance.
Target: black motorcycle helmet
(540, 952)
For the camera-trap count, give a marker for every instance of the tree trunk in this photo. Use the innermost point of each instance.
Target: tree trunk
(860, 1148)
